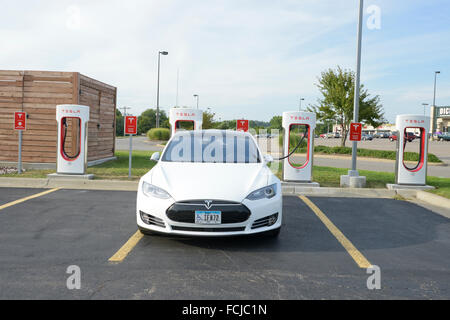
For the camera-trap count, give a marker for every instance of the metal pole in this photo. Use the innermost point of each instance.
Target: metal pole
(433, 126)
(19, 165)
(157, 94)
(354, 172)
(196, 96)
(178, 78)
(129, 156)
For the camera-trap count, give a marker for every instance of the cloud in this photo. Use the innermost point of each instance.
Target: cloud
(244, 58)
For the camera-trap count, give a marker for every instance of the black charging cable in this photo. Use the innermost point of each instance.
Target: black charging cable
(64, 140)
(405, 140)
(296, 147)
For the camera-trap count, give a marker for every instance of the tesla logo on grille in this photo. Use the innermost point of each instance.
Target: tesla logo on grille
(208, 204)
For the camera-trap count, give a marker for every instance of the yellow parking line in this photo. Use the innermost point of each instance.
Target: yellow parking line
(9, 204)
(360, 260)
(122, 253)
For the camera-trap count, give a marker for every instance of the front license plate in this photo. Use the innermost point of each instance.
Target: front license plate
(208, 217)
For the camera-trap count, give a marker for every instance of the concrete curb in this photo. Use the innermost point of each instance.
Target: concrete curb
(287, 189)
(69, 184)
(433, 199)
(292, 189)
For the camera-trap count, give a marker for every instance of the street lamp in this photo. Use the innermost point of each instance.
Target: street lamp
(300, 107)
(424, 106)
(164, 53)
(353, 179)
(433, 125)
(196, 96)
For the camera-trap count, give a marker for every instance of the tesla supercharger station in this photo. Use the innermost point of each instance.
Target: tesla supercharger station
(72, 139)
(412, 130)
(301, 124)
(177, 116)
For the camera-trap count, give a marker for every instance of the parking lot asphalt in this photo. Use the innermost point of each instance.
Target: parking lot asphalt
(41, 237)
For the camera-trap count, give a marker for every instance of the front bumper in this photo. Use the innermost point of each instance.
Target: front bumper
(260, 212)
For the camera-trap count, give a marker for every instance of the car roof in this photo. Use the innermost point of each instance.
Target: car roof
(212, 131)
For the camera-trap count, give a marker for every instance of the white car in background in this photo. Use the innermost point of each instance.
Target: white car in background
(210, 183)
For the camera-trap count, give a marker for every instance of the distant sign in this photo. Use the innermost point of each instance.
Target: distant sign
(20, 120)
(444, 112)
(355, 131)
(130, 125)
(242, 125)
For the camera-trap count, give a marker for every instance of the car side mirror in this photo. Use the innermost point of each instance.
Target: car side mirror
(268, 158)
(155, 156)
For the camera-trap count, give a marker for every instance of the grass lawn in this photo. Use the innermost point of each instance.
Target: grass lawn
(118, 169)
(115, 169)
(330, 177)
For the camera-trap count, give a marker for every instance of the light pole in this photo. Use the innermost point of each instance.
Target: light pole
(300, 107)
(357, 84)
(196, 96)
(433, 125)
(353, 179)
(164, 53)
(424, 107)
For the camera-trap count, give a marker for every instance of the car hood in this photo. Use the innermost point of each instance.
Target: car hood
(215, 181)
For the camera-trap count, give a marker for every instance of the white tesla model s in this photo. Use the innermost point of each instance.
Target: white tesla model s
(210, 183)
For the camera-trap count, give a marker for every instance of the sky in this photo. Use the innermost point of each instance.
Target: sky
(244, 58)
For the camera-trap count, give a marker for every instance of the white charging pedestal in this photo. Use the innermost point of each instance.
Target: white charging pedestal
(297, 169)
(411, 129)
(177, 116)
(72, 130)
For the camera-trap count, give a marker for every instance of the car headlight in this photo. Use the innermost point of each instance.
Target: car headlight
(266, 192)
(153, 191)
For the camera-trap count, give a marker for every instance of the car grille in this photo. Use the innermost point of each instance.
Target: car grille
(184, 211)
(149, 219)
(201, 229)
(265, 222)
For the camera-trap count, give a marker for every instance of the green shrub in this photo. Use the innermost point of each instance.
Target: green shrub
(158, 134)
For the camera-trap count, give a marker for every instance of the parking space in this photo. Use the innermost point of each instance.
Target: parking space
(42, 236)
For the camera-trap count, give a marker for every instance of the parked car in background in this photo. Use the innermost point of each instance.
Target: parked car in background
(334, 135)
(444, 136)
(410, 137)
(323, 136)
(381, 135)
(393, 137)
(366, 137)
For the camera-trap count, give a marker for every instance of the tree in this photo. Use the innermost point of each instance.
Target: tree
(147, 120)
(276, 123)
(119, 123)
(337, 88)
(208, 120)
(225, 125)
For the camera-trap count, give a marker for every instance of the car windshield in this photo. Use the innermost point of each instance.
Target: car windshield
(212, 147)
